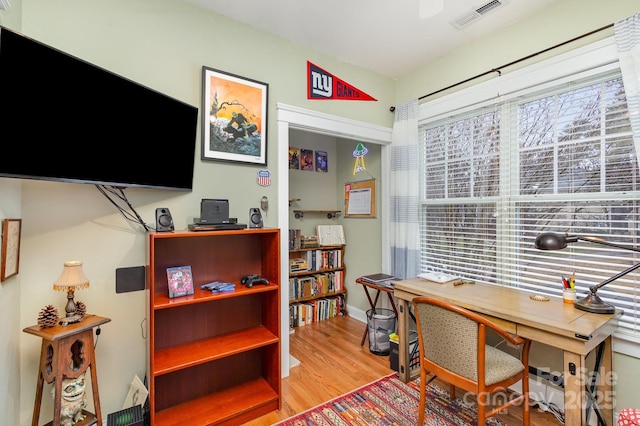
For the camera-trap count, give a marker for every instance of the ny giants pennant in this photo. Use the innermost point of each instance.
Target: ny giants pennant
(324, 85)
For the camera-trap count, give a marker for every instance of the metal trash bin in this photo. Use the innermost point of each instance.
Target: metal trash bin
(380, 323)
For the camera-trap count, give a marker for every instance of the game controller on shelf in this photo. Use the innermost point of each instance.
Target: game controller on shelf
(252, 279)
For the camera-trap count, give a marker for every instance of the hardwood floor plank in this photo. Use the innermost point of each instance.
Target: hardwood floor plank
(332, 363)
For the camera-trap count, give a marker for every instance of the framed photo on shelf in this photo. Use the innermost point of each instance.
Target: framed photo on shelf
(180, 281)
(11, 229)
(234, 118)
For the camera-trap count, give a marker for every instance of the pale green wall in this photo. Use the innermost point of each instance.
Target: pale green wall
(163, 44)
(363, 235)
(554, 25)
(11, 330)
(315, 190)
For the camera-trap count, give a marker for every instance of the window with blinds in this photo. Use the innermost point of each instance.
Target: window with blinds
(561, 160)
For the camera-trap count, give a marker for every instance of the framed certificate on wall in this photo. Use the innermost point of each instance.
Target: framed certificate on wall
(11, 229)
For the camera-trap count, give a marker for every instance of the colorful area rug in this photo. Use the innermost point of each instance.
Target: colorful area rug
(389, 401)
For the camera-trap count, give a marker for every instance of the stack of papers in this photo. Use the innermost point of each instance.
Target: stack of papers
(438, 277)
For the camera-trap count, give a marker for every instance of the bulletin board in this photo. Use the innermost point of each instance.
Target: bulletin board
(360, 198)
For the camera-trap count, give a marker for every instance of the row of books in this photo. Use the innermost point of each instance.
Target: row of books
(317, 310)
(323, 259)
(315, 285)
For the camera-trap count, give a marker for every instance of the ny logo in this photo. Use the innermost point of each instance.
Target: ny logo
(321, 84)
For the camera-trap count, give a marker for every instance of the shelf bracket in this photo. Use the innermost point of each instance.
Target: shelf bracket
(330, 213)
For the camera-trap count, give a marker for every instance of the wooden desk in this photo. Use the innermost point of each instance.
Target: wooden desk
(553, 323)
(67, 352)
(373, 302)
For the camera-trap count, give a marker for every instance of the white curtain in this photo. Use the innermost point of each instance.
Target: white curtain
(627, 36)
(403, 192)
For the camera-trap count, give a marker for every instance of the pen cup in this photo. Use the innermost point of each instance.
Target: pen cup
(569, 296)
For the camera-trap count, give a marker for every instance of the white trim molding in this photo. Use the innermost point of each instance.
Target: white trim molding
(317, 122)
(291, 117)
(581, 62)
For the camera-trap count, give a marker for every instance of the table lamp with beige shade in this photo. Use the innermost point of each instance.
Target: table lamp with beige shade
(71, 279)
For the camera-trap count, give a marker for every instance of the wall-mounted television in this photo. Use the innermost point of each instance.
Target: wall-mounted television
(64, 119)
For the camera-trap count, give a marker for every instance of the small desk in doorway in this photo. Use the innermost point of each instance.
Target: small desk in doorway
(373, 302)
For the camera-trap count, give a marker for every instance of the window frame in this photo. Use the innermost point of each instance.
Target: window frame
(590, 60)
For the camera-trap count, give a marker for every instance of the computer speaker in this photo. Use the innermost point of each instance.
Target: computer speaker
(255, 218)
(164, 222)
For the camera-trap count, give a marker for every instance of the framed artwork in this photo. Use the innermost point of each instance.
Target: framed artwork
(11, 229)
(322, 162)
(306, 159)
(234, 118)
(294, 158)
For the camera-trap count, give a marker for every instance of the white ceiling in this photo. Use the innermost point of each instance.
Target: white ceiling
(386, 36)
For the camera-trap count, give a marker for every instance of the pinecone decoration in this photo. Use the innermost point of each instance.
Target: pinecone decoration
(48, 317)
(81, 308)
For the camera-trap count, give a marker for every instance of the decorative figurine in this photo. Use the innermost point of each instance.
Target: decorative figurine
(73, 400)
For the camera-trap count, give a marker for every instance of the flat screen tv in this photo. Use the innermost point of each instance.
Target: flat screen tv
(64, 119)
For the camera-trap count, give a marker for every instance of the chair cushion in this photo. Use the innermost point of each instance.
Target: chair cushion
(500, 365)
(629, 416)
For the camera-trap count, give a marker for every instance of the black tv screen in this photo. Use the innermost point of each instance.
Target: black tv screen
(64, 119)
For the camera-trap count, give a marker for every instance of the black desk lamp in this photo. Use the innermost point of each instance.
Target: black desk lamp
(591, 303)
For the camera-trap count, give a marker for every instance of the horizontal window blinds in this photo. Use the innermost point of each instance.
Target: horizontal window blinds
(561, 160)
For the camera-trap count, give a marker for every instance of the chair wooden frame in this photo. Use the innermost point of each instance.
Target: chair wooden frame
(479, 387)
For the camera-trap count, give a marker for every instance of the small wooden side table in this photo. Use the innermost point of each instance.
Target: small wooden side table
(67, 352)
(379, 288)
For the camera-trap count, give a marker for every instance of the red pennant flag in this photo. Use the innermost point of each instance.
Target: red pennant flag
(324, 85)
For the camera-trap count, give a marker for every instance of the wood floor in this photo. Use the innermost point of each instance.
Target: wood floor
(332, 363)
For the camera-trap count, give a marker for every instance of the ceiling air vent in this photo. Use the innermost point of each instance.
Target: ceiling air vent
(471, 17)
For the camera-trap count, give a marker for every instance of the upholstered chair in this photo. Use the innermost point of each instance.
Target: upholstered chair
(453, 347)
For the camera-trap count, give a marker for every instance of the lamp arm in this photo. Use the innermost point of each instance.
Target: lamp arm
(606, 243)
(595, 288)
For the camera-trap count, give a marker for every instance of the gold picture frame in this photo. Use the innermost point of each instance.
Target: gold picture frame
(11, 229)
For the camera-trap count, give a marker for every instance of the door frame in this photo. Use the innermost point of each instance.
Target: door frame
(291, 117)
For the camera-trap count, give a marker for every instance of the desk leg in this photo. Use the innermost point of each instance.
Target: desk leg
(600, 388)
(403, 345)
(574, 389)
(577, 388)
(607, 379)
(393, 304)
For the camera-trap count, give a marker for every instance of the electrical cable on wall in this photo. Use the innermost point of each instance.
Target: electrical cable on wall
(112, 194)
